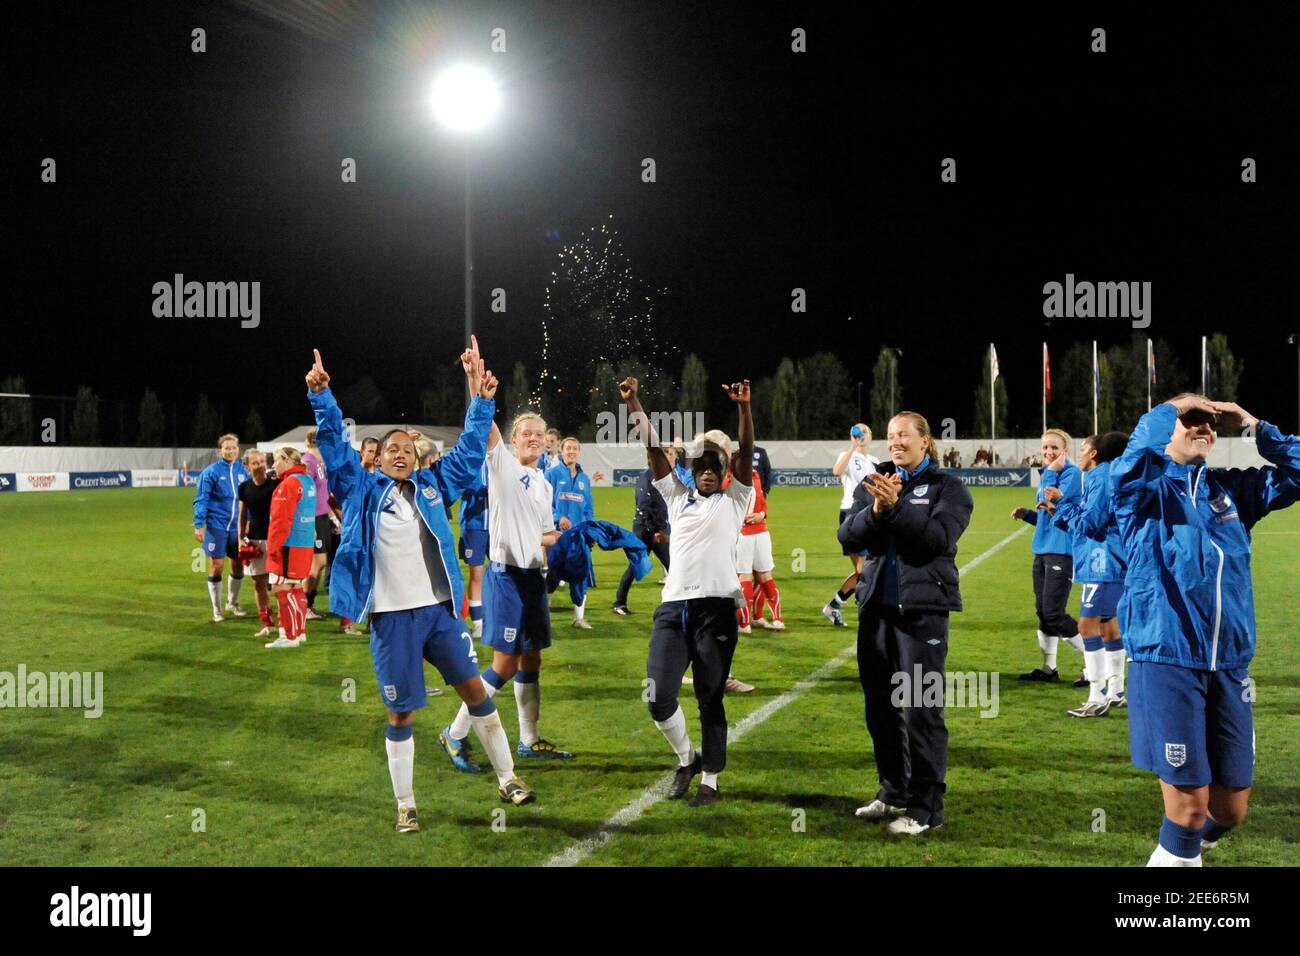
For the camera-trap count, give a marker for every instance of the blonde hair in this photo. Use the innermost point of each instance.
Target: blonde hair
(250, 452)
(1060, 433)
(229, 436)
(923, 429)
(288, 451)
(523, 417)
(717, 437)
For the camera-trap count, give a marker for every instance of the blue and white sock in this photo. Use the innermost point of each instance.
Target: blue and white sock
(492, 682)
(528, 698)
(1182, 843)
(400, 744)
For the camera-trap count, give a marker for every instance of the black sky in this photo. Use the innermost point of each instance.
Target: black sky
(775, 170)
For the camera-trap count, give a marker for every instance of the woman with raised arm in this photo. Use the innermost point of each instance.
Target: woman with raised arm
(397, 560)
(908, 520)
(696, 623)
(516, 609)
(1188, 614)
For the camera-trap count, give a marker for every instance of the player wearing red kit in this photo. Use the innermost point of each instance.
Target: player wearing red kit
(290, 545)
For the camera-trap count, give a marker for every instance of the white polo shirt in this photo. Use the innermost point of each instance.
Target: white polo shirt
(409, 570)
(519, 510)
(702, 545)
(855, 472)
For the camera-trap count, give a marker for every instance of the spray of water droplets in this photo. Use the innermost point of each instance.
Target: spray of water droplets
(597, 310)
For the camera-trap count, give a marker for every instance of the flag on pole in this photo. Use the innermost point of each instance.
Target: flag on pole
(1096, 373)
(1047, 374)
(1151, 362)
(993, 362)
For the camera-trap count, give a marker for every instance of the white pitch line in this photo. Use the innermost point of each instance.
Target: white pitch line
(655, 793)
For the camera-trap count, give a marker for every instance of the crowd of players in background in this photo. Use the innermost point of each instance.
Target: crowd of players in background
(1159, 543)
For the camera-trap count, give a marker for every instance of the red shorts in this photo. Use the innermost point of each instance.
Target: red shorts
(293, 564)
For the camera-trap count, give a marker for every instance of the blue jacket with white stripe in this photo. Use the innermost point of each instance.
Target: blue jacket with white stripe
(361, 495)
(1186, 533)
(1098, 551)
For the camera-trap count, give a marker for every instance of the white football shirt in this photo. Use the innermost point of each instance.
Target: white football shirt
(702, 544)
(855, 472)
(519, 510)
(406, 576)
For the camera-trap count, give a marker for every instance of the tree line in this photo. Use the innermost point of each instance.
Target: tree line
(807, 399)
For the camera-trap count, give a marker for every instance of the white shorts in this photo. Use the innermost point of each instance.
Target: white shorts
(258, 564)
(754, 553)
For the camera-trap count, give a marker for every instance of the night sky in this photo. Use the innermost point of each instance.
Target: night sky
(775, 170)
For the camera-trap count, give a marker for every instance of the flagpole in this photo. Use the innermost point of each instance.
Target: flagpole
(1203, 366)
(1096, 384)
(1044, 386)
(992, 411)
(1151, 369)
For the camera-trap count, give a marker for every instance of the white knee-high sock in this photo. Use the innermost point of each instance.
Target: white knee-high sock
(1094, 665)
(1076, 642)
(1047, 644)
(401, 767)
(1114, 671)
(528, 699)
(234, 585)
(674, 731)
(214, 593)
(580, 609)
(460, 725)
(492, 735)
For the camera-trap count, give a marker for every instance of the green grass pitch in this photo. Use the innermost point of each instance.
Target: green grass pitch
(199, 717)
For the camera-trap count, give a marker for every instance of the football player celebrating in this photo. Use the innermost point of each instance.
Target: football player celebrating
(290, 538)
(398, 561)
(696, 623)
(1188, 614)
(517, 615)
(1099, 567)
(909, 521)
(216, 516)
(851, 467)
(254, 524)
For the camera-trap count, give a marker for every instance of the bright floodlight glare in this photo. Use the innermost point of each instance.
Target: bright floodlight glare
(465, 98)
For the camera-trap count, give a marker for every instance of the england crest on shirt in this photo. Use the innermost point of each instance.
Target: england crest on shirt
(920, 490)
(1176, 754)
(1220, 503)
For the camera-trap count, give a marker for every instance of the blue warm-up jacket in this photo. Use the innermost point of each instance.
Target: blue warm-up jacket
(1186, 534)
(570, 557)
(1098, 551)
(1048, 538)
(216, 497)
(570, 495)
(361, 495)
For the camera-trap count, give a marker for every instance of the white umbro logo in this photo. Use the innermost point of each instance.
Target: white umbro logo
(934, 640)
